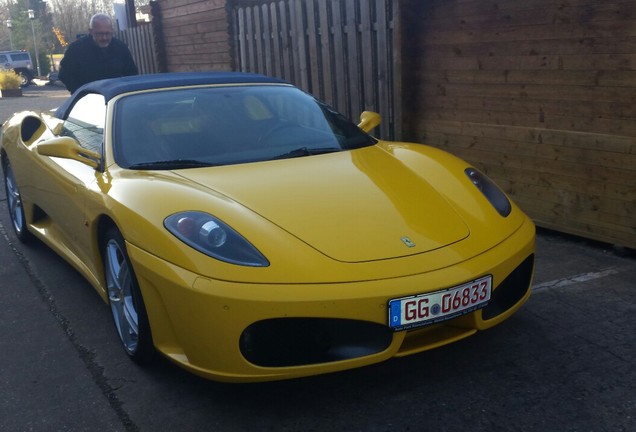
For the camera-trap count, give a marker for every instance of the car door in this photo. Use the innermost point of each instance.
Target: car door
(64, 183)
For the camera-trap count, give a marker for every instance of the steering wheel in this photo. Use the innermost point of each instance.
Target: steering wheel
(279, 130)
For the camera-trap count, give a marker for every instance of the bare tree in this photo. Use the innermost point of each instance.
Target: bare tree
(71, 16)
(5, 37)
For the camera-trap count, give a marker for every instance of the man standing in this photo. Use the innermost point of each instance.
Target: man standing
(96, 56)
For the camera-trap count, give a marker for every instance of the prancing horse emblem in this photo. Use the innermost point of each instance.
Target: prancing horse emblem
(407, 241)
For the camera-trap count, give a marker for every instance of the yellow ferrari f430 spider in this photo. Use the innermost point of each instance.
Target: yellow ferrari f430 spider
(248, 232)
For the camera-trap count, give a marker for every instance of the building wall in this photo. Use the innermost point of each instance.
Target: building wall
(539, 94)
(196, 35)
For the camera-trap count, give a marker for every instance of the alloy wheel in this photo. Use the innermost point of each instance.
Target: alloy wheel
(120, 282)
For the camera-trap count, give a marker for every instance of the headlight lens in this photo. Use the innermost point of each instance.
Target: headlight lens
(214, 238)
(491, 191)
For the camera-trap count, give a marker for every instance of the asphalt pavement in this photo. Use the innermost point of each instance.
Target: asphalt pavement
(565, 362)
(34, 97)
(46, 376)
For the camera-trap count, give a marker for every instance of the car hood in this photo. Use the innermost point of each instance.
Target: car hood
(353, 206)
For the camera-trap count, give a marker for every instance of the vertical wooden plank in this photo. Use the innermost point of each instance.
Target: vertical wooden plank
(286, 40)
(383, 83)
(299, 47)
(313, 53)
(277, 63)
(293, 42)
(327, 52)
(240, 28)
(127, 37)
(234, 38)
(151, 47)
(396, 76)
(154, 67)
(139, 46)
(340, 83)
(266, 36)
(259, 58)
(136, 46)
(249, 38)
(244, 40)
(353, 59)
(367, 58)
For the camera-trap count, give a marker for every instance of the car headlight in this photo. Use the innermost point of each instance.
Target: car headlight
(214, 238)
(491, 191)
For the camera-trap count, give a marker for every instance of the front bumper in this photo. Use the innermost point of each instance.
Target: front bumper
(256, 332)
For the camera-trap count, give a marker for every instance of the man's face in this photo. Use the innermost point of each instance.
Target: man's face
(102, 33)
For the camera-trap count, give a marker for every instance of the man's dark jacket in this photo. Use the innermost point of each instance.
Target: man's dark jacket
(84, 61)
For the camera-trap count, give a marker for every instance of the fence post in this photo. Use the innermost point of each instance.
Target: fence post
(157, 36)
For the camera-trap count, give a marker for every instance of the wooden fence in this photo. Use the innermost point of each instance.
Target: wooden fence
(345, 52)
(141, 41)
(538, 94)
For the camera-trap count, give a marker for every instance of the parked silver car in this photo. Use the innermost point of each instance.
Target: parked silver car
(20, 62)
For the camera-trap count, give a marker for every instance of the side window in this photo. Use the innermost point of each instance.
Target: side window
(20, 57)
(86, 122)
(3, 58)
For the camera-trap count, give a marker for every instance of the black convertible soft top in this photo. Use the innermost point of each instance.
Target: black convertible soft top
(109, 88)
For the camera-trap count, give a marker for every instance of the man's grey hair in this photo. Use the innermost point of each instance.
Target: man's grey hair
(101, 17)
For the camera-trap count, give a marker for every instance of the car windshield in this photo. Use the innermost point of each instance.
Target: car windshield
(187, 128)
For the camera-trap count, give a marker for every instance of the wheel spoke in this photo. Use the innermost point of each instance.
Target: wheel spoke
(131, 316)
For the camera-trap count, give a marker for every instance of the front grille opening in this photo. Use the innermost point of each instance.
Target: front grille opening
(283, 342)
(511, 290)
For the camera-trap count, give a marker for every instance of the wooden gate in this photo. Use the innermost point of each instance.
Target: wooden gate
(141, 41)
(345, 52)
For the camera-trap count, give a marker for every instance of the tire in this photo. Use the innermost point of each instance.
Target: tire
(14, 203)
(125, 299)
(25, 76)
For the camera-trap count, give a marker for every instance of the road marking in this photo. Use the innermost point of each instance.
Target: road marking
(583, 277)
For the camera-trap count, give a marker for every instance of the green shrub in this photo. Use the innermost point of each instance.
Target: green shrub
(9, 80)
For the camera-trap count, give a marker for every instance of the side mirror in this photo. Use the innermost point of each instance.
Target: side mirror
(69, 148)
(369, 120)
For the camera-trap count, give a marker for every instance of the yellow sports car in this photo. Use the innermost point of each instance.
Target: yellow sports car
(249, 232)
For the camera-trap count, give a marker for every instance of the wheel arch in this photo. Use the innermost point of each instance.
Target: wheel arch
(26, 209)
(144, 349)
(102, 224)
(161, 328)
(3, 157)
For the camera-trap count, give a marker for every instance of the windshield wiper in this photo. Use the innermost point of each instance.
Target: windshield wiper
(170, 164)
(307, 151)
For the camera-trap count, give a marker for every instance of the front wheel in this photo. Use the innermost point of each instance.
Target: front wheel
(14, 203)
(126, 302)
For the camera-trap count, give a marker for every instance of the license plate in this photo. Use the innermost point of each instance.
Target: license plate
(431, 308)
